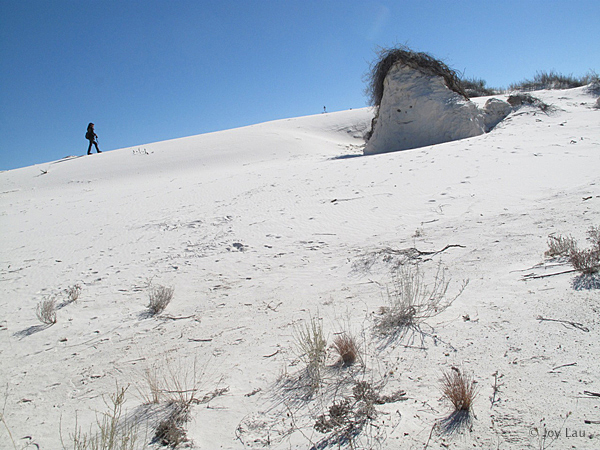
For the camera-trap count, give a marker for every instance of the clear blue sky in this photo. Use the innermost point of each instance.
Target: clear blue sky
(145, 71)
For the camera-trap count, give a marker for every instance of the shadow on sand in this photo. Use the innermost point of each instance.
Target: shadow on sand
(31, 330)
(586, 282)
(459, 420)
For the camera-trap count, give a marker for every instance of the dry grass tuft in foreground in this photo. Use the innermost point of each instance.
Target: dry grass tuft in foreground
(113, 432)
(345, 346)
(170, 431)
(348, 417)
(459, 389)
(312, 351)
(411, 301)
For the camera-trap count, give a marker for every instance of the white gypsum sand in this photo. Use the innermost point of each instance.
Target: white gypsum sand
(262, 228)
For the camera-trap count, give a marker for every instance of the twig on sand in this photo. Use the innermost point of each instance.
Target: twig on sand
(532, 276)
(430, 434)
(592, 394)
(563, 365)
(496, 389)
(414, 252)
(178, 318)
(579, 326)
(397, 257)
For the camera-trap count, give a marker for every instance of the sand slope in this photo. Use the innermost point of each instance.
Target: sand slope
(260, 228)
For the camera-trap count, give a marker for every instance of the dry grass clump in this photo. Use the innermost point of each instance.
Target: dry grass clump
(176, 384)
(586, 261)
(423, 62)
(73, 293)
(411, 300)
(159, 299)
(113, 433)
(560, 246)
(345, 346)
(170, 431)
(312, 350)
(46, 311)
(346, 419)
(594, 237)
(459, 389)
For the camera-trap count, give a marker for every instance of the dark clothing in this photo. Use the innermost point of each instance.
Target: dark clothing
(91, 136)
(92, 141)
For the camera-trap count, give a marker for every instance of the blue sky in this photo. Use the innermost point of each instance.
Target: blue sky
(145, 71)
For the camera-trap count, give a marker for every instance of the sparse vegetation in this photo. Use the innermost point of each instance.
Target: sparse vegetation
(114, 433)
(553, 80)
(178, 386)
(345, 419)
(170, 431)
(411, 301)
(174, 382)
(312, 349)
(560, 246)
(73, 293)
(594, 237)
(459, 389)
(346, 348)
(159, 299)
(586, 261)
(46, 311)
(476, 87)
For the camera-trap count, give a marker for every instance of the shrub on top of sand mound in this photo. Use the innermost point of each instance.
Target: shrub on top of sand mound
(423, 62)
(419, 101)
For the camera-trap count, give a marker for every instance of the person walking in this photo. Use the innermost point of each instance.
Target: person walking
(93, 138)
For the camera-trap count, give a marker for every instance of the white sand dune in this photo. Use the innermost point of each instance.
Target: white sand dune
(260, 228)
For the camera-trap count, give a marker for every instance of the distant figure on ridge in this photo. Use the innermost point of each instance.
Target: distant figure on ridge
(92, 137)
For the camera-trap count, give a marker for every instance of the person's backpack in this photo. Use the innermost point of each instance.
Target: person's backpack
(89, 135)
